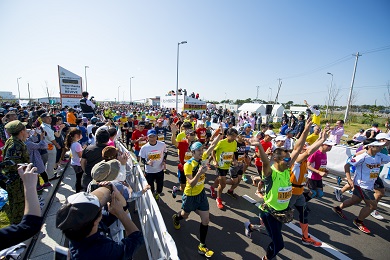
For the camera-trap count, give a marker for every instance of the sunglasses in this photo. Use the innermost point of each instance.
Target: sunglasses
(287, 159)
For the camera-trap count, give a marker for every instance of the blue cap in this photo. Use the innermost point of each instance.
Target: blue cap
(196, 146)
(247, 125)
(151, 132)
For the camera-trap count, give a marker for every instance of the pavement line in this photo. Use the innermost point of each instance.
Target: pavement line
(325, 246)
(330, 185)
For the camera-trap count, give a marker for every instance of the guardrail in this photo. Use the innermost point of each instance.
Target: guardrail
(159, 243)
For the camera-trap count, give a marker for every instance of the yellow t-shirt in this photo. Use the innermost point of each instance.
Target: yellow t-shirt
(191, 167)
(181, 136)
(312, 138)
(122, 121)
(224, 153)
(316, 119)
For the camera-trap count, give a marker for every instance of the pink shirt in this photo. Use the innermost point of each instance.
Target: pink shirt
(320, 161)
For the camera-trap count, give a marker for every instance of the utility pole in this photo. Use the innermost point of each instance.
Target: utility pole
(257, 95)
(351, 89)
(29, 96)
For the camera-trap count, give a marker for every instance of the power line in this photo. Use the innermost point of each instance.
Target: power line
(377, 49)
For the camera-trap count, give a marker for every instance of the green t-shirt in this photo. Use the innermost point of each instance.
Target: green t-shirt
(278, 189)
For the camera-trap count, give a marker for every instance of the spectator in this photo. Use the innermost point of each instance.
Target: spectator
(79, 221)
(87, 106)
(32, 221)
(300, 126)
(337, 131)
(357, 138)
(71, 118)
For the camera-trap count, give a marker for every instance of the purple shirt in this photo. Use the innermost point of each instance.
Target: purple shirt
(320, 161)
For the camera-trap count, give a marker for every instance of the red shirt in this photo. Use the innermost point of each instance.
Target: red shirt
(201, 133)
(137, 134)
(183, 147)
(265, 145)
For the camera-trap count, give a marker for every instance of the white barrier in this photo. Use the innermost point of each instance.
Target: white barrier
(337, 157)
(159, 243)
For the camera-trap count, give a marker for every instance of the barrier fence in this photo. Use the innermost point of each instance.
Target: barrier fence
(159, 243)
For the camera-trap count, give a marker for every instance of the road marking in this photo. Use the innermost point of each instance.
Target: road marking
(325, 246)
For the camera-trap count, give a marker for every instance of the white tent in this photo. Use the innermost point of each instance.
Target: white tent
(278, 110)
(252, 108)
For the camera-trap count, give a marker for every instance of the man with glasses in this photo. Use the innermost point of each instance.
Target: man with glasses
(153, 156)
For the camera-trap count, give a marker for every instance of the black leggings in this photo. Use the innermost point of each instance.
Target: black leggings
(158, 177)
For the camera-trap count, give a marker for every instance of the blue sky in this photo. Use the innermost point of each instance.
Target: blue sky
(233, 46)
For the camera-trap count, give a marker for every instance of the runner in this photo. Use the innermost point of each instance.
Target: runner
(278, 191)
(223, 157)
(184, 155)
(139, 138)
(367, 171)
(194, 197)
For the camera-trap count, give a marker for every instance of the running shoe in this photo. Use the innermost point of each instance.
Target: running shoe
(248, 231)
(376, 215)
(213, 193)
(40, 188)
(174, 191)
(311, 242)
(339, 212)
(244, 178)
(338, 194)
(157, 196)
(176, 223)
(46, 184)
(219, 203)
(361, 226)
(231, 194)
(203, 250)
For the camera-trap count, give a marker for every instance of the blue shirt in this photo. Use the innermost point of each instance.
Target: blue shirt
(98, 246)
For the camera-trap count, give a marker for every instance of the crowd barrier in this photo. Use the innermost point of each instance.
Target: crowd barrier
(337, 157)
(159, 243)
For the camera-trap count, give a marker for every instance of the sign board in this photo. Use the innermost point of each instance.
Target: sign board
(184, 103)
(70, 87)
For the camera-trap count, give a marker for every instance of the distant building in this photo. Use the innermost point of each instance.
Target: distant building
(6, 95)
(153, 101)
(228, 106)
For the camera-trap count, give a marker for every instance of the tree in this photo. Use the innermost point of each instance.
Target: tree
(334, 96)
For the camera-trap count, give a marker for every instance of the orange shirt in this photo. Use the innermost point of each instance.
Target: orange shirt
(70, 118)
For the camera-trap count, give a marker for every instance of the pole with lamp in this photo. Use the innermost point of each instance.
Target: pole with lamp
(86, 84)
(177, 72)
(118, 94)
(130, 90)
(270, 97)
(17, 80)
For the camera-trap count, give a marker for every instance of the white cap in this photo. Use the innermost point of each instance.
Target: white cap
(381, 136)
(270, 133)
(329, 142)
(280, 138)
(376, 143)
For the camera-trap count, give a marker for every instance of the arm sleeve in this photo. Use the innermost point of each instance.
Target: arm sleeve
(89, 103)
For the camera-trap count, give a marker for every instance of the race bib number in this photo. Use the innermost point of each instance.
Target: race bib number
(284, 194)
(161, 138)
(322, 168)
(202, 178)
(374, 173)
(241, 158)
(154, 156)
(50, 147)
(187, 156)
(226, 158)
(141, 143)
(203, 135)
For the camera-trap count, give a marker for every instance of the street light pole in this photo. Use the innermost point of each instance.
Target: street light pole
(17, 80)
(270, 98)
(130, 89)
(85, 71)
(257, 94)
(118, 94)
(177, 72)
(329, 92)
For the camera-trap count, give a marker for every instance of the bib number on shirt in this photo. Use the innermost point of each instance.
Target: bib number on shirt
(241, 158)
(187, 156)
(154, 156)
(284, 194)
(226, 158)
(161, 138)
(374, 173)
(322, 168)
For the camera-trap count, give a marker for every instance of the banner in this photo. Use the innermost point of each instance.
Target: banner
(70, 87)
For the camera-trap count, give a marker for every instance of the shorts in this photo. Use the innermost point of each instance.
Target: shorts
(314, 184)
(193, 203)
(234, 171)
(222, 172)
(378, 184)
(363, 193)
(181, 176)
(297, 200)
(208, 134)
(136, 152)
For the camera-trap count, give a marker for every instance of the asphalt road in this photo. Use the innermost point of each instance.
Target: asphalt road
(342, 240)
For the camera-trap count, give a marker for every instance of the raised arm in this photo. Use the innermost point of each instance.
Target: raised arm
(173, 136)
(267, 171)
(301, 141)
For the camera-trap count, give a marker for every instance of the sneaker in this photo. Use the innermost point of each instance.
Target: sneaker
(338, 194)
(39, 188)
(311, 242)
(244, 178)
(176, 223)
(376, 215)
(156, 196)
(219, 203)
(203, 250)
(361, 226)
(46, 184)
(174, 191)
(231, 194)
(248, 232)
(213, 193)
(339, 212)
